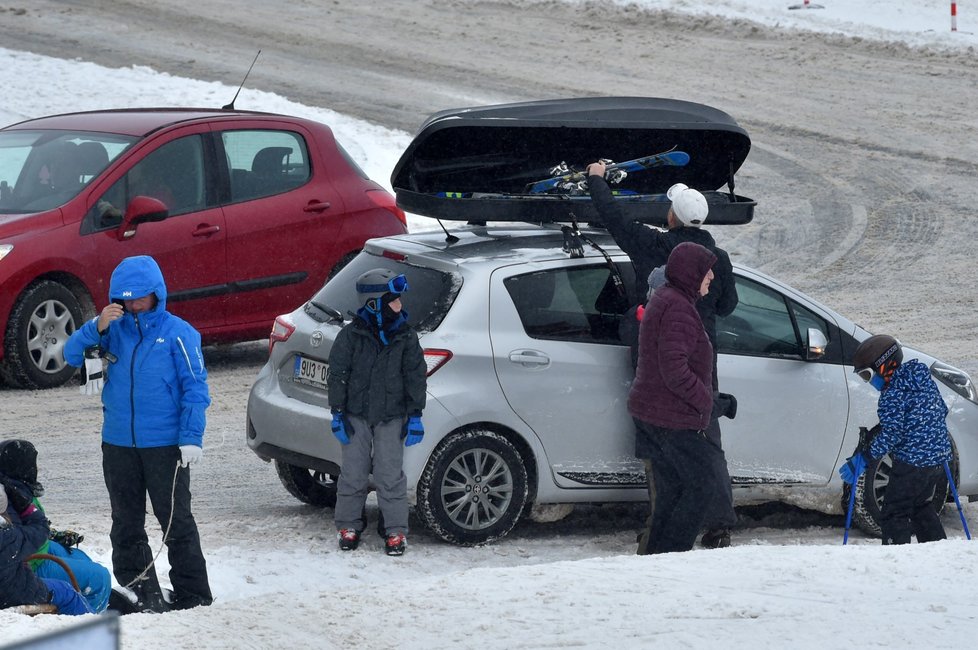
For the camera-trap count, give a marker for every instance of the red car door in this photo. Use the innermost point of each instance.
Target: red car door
(189, 245)
(285, 220)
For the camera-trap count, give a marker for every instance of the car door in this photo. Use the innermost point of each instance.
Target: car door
(189, 244)
(792, 413)
(284, 219)
(554, 334)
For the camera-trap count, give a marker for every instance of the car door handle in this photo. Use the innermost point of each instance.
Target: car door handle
(529, 358)
(205, 230)
(316, 206)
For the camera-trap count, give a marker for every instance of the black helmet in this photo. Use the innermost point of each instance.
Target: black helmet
(880, 353)
(18, 460)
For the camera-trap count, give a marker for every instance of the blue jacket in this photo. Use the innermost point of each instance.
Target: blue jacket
(155, 393)
(912, 414)
(18, 540)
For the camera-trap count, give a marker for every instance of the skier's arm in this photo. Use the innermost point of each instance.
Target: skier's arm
(727, 300)
(891, 414)
(340, 365)
(634, 239)
(415, 375)
(194, 395)
(85, 336)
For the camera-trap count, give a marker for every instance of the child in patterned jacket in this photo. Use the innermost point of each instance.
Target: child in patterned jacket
(913, 431)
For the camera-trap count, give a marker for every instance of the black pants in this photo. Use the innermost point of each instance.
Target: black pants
(908, 504)
(721, 513)
(130, 473)
(682, 474)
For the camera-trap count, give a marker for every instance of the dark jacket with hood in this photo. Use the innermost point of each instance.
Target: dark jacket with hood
(912, 418)
(649, 248)
(673, 380)
(19, 540)
(377, 378)
(155, 393)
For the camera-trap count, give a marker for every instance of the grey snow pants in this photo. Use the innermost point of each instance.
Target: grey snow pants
(379, 448)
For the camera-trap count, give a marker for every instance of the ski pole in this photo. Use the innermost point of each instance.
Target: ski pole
(852, 504)
(957, 502)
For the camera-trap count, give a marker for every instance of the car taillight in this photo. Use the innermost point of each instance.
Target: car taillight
(386, 201)
(282, 329)
(435, 359)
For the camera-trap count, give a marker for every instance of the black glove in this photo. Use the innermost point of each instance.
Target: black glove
(724, 405)
(18, 494)
(67, 538)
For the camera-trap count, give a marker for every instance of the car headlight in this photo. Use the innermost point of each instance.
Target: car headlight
(5, 250)
(957, 380)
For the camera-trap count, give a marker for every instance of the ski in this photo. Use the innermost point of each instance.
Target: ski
(574, 181)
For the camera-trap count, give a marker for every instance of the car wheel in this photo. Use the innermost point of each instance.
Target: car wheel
(307, 485)
(346, 259)
(473, 489)
(42, 319)
(871, 489)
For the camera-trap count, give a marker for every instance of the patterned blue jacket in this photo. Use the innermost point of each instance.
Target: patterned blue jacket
(912, 413)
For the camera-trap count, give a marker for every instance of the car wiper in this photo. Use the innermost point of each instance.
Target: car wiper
(332, 313)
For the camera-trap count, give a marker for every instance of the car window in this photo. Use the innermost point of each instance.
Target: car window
(569, 304)
(765, 323)
(429, 296)
(40, 170)
(263, 163)
(173, 174)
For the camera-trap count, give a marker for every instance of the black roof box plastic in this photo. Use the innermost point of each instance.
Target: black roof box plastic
(474, 164)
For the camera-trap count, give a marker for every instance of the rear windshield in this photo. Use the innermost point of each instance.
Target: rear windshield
(429, 296)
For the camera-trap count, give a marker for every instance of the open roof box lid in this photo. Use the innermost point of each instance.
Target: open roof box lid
(478, 164)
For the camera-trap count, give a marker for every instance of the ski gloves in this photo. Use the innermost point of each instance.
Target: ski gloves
(854, 467)
(190, 454)
(94, 372)
(413, 430)
(340, 427)
(724, 405)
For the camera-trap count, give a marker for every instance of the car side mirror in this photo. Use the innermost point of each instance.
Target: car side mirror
(140, 210)
(816, 344)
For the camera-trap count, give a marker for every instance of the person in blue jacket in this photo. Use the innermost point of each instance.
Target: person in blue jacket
(23, 528)
(153, 401)
(913, 431)
(18, 467)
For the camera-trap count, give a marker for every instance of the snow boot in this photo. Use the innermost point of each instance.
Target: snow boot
(717, 538)
(395, 544)
(349, 539)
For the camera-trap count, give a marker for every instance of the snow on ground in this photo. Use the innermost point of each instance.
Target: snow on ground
(275, 570)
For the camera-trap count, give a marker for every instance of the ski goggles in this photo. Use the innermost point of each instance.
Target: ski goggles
(866, 374)
(395, 285)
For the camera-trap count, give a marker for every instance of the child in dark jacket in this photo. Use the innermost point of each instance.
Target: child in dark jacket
(913, 431)
(377, 382)
(23, 528)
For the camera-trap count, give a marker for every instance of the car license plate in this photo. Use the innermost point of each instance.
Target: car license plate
(310, 372)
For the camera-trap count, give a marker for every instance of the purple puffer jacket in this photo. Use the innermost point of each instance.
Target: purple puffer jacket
(673, 380)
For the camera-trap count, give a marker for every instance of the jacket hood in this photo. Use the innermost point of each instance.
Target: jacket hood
(912, 375)
(687, 266)
(136, 277)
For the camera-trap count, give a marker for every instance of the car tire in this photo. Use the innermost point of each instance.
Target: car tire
(473, 489)
(870, 491)
(307, 485)
(42, 319)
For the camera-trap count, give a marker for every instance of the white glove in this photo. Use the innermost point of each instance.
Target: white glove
(190, 454)
(94, 378)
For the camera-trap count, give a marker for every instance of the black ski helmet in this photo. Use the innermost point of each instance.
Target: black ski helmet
(880, 353)
(18, 460)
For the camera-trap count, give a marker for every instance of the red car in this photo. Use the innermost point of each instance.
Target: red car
(247, 214)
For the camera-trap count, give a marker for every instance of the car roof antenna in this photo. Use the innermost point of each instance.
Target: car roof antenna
(450, 238)
(230, 107)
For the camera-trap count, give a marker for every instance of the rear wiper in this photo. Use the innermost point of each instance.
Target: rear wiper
(333, 314)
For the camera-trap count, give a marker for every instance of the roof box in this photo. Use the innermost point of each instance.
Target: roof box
(484, 163)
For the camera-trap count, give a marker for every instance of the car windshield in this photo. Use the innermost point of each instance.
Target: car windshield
(40, 170)
(429, 296)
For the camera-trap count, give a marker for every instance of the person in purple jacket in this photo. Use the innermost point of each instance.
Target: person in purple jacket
(671, 401)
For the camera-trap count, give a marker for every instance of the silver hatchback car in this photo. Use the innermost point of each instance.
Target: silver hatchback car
(528, 382)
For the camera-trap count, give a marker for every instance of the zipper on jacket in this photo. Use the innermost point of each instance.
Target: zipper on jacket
(132, 382)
